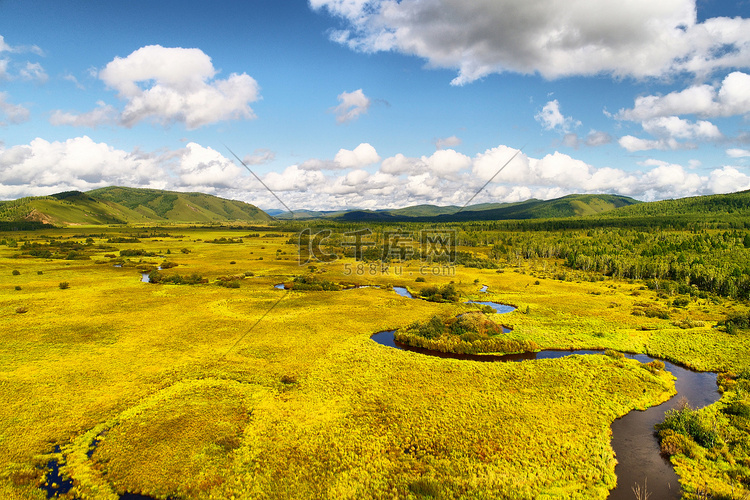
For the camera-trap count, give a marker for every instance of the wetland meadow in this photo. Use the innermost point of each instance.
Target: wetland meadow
(237, 371)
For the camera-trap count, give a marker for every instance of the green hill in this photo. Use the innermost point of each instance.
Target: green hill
(737, 204)
(120, 205)
(567, 206)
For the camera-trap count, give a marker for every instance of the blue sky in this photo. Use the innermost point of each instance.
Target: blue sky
(376, 103)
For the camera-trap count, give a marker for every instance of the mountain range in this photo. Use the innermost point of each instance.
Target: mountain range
(122, 205)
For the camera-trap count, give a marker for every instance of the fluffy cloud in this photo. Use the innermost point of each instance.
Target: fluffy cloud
(174, 85)
(447, 142)
(667, 130)
(728, 180)
(673, 126)
(487, 164)
(202, 166)
(552, 119)
(400, 164)
(445, 177)
(294, 178)
(43, 167)
(731, 98)
(445, 162)
(640, 38)
(351, 106)
(13, 113)
(362, 156)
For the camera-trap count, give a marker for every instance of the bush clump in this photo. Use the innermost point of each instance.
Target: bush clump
(446, 293)
(313, 283)
(688, 323)
(470, 333)
(689, 424)
(650, 311)
(735, 322)
(176, 279)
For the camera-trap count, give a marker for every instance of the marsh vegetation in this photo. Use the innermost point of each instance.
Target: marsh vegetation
(207, 391)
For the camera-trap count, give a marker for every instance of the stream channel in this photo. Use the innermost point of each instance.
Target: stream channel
(633, 436)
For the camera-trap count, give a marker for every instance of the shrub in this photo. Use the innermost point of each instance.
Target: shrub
(432, 329)
(18, 287)
(22, 309)
(64, 285)
(690, 423)
(734, 322)
(229, 284)
(16, 272)
(40, 272)
(654, 366)
(614, 354)
(738, 408)
(673, 443)
(445, 293)
(185, 250)
(688, 323)
(680, 302)
(420, 280)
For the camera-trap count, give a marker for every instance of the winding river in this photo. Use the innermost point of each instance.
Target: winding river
(633, 438)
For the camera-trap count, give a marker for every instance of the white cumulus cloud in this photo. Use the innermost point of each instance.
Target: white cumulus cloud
(169, 85)
(638, 38)
(673, 126)
(362, 156)
(731, 98)
(42, 167)
(552, 119)
(203, 166)
(351, 106)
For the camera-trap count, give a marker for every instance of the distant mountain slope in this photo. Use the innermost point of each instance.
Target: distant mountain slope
(733, 203)
(567, 206)
(423, 211)
(119, 205)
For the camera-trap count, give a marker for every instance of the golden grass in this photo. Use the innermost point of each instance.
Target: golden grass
(208, 392)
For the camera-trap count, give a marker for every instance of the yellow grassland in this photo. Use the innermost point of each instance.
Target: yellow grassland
(201, 391)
